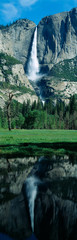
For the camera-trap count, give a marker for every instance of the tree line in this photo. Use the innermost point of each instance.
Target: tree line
(41, 116)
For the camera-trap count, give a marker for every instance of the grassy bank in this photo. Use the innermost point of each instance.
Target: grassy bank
(16, 137)
(31, 142)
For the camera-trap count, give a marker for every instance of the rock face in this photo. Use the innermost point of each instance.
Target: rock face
(16, 39)
(57, 38)
(57, 53)
(13, 78)
(56, 42)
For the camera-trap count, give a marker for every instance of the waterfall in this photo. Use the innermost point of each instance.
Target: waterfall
(31, 191)
(33, 65)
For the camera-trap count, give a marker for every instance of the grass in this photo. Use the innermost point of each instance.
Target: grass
(16, 137)
(37, 142)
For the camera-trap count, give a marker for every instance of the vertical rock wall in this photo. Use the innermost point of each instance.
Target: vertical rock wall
(16, 39)
(57, 38)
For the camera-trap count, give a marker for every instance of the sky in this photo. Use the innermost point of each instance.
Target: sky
(33, 10)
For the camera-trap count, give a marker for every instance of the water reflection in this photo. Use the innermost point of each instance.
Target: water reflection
(13, 172)
(62, 169)
(56, 185)
(6, 237)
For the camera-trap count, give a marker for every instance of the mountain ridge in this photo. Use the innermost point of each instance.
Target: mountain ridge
(56, 42)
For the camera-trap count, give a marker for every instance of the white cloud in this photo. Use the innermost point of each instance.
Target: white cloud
(9, 11)
(27, 3)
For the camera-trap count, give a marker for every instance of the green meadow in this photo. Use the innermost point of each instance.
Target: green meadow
(22, 142)
(16, 137)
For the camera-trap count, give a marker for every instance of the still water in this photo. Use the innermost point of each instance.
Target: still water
(6, 237)
(57, 173)
(56, 168)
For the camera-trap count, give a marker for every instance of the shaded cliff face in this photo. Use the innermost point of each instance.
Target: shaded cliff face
(16, 39)
(57, 38)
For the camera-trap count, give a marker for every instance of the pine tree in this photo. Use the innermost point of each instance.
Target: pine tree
(9, 110)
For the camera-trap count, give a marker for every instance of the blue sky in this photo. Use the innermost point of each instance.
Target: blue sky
(34, 10)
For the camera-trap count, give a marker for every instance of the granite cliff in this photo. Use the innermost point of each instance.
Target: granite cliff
(13, 79)
(56, 43)
(16, 39)
(57, 38)
(57, 54)
(61, 81)
(15, 44)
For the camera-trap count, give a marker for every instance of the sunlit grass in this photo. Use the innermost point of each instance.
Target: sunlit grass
(16, 137)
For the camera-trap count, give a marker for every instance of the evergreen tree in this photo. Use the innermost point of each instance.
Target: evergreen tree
(20, 121)
(34, 106)
(72, 104)
(8, 105)
(24, 109)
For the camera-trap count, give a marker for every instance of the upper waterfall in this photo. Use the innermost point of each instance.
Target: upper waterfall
(33, 65)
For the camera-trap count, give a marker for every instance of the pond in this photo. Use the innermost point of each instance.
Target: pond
(49, 186)
(56, 168)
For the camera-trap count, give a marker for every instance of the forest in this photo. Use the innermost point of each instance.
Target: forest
(41, 116)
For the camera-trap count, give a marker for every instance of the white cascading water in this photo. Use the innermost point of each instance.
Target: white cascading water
(33, 65)
(31, 190)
